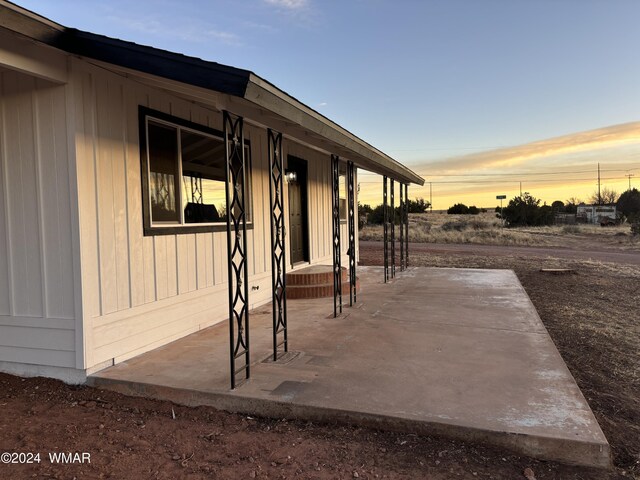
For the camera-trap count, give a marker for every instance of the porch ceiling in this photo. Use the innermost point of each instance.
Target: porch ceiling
(246, 93)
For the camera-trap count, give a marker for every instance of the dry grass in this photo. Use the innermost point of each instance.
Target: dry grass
(486, 229)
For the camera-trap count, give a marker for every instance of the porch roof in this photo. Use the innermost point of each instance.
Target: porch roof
(243, 92)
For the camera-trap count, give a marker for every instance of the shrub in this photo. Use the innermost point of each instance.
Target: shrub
(525, 210)
(629, 205)
(473, 210)
(458, 209)
(418, 205)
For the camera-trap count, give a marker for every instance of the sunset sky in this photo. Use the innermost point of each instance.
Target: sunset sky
(476, 96)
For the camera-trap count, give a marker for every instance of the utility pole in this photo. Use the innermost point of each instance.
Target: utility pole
(599, 196)
(431, 197)
(501, 197)
(629, 175)
(521, 189)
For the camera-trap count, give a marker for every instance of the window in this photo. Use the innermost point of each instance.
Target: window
(342, 187)
(184, 172)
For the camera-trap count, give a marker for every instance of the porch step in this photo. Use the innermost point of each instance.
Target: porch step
(315, 281)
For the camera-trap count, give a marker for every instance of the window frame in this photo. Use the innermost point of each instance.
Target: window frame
(150, 229)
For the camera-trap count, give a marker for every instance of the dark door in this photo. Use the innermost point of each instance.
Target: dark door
(298, 211)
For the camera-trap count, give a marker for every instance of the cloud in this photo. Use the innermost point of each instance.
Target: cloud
(289, 4)
(259, 27)
(581, 142)
(322, 104)
(186, 32)
(224, 37)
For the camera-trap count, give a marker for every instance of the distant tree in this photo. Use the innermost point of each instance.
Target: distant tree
(364, 209)
(525, 210)
(607, 197)
(376, 216)
(458, 209)
(571, 205)
(557, 206)
(363, 214)
(473, 210)
(418, 205)
(629, 205)
(545, 215)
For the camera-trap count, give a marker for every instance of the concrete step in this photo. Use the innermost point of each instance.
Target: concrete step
(315, 281)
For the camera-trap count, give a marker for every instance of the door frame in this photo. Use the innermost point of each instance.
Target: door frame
(301, 167)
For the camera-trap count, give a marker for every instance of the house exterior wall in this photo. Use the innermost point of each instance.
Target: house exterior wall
(140, 292)
(37, 290)
(81, 287)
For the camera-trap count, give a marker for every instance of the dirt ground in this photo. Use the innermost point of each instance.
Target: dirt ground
(591, 314)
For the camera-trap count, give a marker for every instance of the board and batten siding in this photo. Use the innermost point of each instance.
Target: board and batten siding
(140, 292)
(37, 302)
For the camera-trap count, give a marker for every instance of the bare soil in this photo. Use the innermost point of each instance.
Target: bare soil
(592, 316)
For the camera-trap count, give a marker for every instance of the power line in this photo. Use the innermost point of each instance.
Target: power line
(474, 182)
(483, 149)
(519, 174)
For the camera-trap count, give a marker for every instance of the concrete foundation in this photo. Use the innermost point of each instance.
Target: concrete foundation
(455, 352)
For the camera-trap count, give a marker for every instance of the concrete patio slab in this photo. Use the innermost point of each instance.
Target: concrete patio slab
(455, 352)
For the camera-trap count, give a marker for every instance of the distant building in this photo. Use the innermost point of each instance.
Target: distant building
(596, 214)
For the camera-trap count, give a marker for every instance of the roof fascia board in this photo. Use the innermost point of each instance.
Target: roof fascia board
(29, 24)
(26, 56)
(265, 95)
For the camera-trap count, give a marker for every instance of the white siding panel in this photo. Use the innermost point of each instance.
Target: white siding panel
(35, 356)
(87, 202)
(191, 266)
(37, 302)
(106, 197)
(117, 146)
(121, 334)
(42, 338)
(131, 98)
(55, 203)
(220, 257)
(5, 285)
(160, 261)
(22, 202)
(183, 263)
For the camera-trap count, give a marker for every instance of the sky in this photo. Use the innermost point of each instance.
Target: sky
(480, 97)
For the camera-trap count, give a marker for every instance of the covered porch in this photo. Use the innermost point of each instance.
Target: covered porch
(455, 352)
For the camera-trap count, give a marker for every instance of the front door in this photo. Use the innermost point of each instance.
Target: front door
(298, 230)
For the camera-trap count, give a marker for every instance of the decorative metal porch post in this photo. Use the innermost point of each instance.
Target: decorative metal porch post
(235, 189)
(352, 233)
(278, 260)
(406, 226)
(402, 205)
(337, 267)
(385, 228)
(393, 230)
